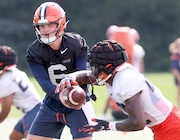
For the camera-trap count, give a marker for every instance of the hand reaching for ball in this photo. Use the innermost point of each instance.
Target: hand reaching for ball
(73, 97)
(66, 83)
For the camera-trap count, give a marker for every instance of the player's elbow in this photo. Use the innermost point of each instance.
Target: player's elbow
(139, 125)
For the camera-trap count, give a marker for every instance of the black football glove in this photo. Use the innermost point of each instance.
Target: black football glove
(102, 125)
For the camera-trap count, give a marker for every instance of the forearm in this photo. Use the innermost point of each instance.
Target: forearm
(42, 78)
(48, 88)
(2, 117)
(83, 77)
(5, 107)
(136, 120)
(129, 125)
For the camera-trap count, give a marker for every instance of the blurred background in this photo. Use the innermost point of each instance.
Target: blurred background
(157, 22)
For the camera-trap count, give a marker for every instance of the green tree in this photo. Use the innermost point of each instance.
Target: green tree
(157, 22)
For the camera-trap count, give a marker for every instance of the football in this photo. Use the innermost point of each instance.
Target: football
(73, 97)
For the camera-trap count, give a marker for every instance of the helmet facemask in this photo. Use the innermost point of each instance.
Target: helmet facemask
(48, 40)
(101, 75)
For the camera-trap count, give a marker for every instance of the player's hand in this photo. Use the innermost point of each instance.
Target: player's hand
(65, 82)
(101, 125)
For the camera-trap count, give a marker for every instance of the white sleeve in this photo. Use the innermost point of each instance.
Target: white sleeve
(7, 87)
(129, 84)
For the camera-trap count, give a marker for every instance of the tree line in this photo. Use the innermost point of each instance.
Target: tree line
(157, 22)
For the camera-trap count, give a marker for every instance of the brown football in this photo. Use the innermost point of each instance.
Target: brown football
(73, 96)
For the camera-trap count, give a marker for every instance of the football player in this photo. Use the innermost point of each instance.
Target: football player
(174, 49)
(139, 52)
(16, 89)
(143, 101)
(54, 54)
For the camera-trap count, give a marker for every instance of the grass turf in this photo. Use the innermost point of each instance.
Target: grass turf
(164, 81)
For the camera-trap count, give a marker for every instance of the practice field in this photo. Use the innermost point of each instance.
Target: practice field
(7, 126)
(163, 80)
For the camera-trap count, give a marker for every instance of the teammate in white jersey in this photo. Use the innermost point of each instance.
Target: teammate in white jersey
(140, 99)
(16, 89)
(139, 52)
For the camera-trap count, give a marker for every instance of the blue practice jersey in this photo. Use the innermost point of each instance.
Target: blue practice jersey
(49, 66)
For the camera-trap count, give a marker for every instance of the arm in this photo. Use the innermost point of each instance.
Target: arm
(79, 77)
(6, 103)
(135, 121)
(42, 77)
(82, 77)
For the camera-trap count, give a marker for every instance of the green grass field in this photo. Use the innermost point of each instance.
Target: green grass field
(164, 81)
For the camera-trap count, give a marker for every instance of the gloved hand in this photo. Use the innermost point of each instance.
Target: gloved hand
(65, 82)
(101, 125)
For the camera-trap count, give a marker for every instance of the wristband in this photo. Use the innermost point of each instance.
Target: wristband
(112, 126)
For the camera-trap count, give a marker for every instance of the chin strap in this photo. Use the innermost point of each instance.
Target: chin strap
(92, 96)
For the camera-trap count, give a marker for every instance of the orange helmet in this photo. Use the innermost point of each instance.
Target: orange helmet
(47, 13)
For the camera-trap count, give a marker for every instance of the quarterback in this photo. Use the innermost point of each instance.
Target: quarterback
(143, 102)
(51, 56)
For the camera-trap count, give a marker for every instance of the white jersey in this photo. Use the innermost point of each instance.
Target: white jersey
(128, 82)
(139, 53)
(16, 82)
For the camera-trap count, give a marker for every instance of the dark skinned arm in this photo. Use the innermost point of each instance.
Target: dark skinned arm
(136, 120)
(83, 77)
(5, 107)
(79, 77)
